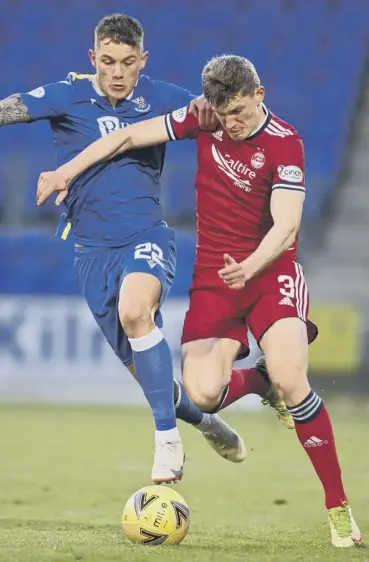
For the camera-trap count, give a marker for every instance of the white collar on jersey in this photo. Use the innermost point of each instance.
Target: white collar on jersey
(99, 91)
(266, 111)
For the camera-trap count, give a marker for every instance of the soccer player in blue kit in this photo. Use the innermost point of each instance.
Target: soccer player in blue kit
(124, 252)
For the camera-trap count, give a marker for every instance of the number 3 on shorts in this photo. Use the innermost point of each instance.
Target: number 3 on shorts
(288, 289)
(150, 252)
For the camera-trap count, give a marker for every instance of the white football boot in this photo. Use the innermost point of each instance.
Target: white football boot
(222, 438)
(219, 435)
(169, 459)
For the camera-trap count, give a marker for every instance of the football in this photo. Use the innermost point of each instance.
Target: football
(156, 515)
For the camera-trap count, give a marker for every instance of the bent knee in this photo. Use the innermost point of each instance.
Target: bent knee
(207, 367)
(136, 318)
(205, 396)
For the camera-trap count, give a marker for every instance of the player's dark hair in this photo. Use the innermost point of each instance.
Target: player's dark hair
(227, 76)
(120, 29)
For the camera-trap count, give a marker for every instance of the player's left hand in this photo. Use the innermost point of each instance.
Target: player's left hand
(233, 274)
(202, 109)
(51, 182)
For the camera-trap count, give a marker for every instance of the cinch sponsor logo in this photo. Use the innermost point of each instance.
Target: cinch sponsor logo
(293, 174)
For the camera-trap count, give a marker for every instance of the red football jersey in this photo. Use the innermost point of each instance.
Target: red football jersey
(235, 180)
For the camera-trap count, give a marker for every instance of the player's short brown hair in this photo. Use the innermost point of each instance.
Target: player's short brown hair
(227, 76)
(120, 29)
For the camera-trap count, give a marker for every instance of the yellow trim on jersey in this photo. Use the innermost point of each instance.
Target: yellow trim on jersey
(66, 231)
(77, 76)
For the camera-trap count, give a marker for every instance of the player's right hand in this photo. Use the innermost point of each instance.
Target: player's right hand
(51, 182)
(232, 273)
(201, 108)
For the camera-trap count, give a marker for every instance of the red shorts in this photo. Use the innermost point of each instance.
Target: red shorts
(215, 311)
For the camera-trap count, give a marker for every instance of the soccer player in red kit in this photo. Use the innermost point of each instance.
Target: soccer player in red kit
(250, 193)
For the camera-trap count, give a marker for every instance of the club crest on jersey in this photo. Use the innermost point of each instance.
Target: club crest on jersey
(141, 105)
(234, 169)
(258, 160)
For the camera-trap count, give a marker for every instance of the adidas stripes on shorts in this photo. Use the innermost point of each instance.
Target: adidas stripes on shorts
(216, 311)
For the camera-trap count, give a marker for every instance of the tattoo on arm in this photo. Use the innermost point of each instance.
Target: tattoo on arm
(13, 110)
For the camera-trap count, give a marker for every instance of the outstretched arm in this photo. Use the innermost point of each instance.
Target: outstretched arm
(145, 133)
(177, 125)
(13, 110)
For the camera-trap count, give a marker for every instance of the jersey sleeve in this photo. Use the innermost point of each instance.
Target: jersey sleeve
(288, 170)
(173, 96)
(180, 124)
(48, 102)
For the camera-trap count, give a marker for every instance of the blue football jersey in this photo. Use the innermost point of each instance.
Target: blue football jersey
(111, 202)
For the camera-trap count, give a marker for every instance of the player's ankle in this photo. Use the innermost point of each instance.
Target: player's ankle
(167, 435)
(205, 423)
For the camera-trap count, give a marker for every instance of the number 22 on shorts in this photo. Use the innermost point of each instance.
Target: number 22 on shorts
(150, 252)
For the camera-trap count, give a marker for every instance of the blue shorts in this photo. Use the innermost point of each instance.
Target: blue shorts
(101, 271)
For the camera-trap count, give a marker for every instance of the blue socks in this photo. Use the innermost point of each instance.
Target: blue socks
(154, 371)
(185, 408)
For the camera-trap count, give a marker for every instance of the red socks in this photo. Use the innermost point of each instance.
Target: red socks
(315, 433)
(243, 382)
(313, 428)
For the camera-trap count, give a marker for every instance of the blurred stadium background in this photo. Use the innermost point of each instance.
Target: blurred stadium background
(66, 471)
(312, 58)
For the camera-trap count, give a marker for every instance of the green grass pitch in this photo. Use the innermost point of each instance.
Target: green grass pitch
(66, 472)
